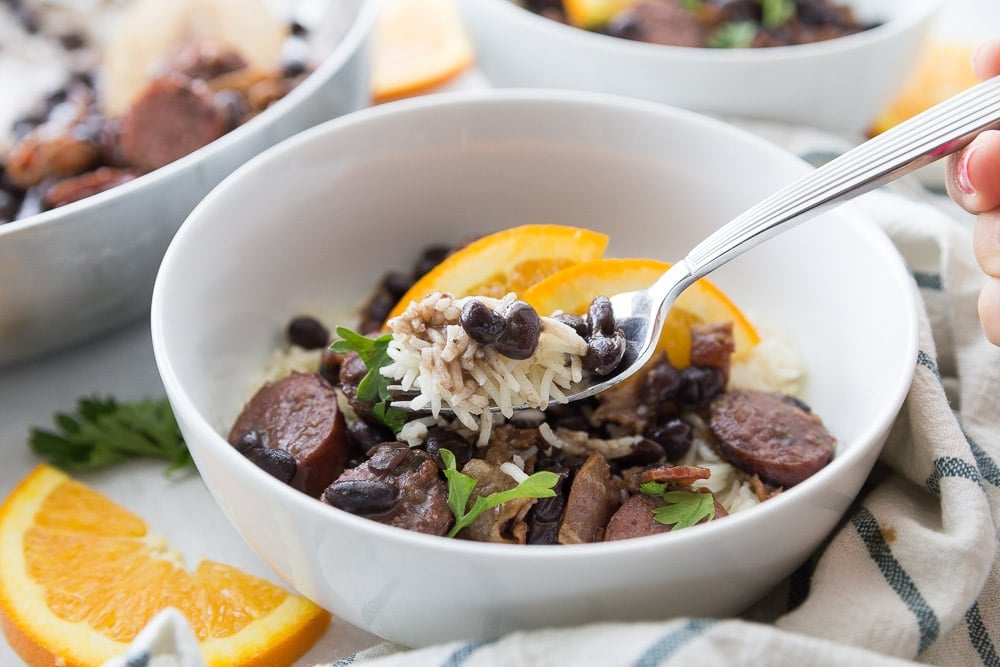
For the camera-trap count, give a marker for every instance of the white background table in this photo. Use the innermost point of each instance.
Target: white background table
(181, 509)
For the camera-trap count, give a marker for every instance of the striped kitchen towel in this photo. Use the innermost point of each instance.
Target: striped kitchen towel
(912, 573)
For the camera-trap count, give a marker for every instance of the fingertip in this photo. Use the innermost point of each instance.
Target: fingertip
(974, 174)
(989, 310)
(986, 60)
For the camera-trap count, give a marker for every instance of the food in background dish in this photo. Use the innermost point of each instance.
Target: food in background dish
(677, 444)
(707, 23)
(132, 88)
(418, 44)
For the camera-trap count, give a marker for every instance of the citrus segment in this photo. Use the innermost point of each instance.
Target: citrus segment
(80, 576)
(507, 261)
(418, 44)
(593, 13)
(942, 70)
(572, 289)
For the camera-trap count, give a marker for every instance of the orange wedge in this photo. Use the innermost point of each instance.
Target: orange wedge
(507, 261)
(572, 289)
(589, 14)
(417, 45)
(941, 71)
(80, 577)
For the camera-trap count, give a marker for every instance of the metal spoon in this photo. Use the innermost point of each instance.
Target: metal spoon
(925, 138)
(937, 132)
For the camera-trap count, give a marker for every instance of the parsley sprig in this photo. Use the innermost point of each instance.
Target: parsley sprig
(460, 487)
(105, 431)
(683, 509)
(374, 387)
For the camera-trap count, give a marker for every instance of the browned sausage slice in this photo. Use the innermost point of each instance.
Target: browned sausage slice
(635, 518)
(299, 414)
(770, 435)
(591, 502)
(76, 188)
(174, 116)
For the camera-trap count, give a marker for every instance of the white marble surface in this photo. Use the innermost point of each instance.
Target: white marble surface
(121, 364)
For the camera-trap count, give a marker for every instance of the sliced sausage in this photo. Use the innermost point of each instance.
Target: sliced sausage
(712, 344)
(299, 415)
(76, 188)
(635, 518)
(768, 435)
(397, 486)
(174, 116)
(592, 500)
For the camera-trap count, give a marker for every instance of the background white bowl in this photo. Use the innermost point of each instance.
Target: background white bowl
(319, 218)
(79, 270)
(840, 84)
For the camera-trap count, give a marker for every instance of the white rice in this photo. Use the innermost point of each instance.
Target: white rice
(434, 356)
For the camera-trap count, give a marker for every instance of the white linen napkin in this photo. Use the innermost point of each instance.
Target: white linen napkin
(911, 574)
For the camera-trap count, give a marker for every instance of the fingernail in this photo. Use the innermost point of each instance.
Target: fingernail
(962, 172)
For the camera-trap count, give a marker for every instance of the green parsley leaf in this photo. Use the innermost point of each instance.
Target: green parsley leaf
(775, 13)
(685, 508)
(374, 387)
(733, 35)
(105, 431)
(461, 486)
(691, 5)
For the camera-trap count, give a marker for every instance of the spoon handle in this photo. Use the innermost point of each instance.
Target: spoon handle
(925, 138)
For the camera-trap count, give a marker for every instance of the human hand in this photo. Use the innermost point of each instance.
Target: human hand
(974, 183)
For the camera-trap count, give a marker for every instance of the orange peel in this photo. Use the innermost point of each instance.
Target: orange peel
(507, 261)
(571, 290)
(80, 576)
(417, 45)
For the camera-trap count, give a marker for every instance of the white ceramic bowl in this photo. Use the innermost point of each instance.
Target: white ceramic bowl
(840, 84)
(319, 218)
(79, 270)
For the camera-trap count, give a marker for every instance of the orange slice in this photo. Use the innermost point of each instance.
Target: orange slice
(507, 261)
(572, 289)
(941, 71)
(80, 577)
(417, 45)
(589, 14)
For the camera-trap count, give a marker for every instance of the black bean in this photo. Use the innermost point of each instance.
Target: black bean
(308, 333)
(329, 365)
(545, 520)
(397, 283)
(520, 335)
(799, 403)
(481, 323)
(661, 384)
(439, 438)
(604, 353)
(601, 317)
(293, 67)
(252, 439)
(378, 307)
(297, 29)
(72, 41)
(674, 436)
(579, 324)
(362, 496)
(276, 462)
(363, 437)
(429, 258)
(645, 452)
(699, 385)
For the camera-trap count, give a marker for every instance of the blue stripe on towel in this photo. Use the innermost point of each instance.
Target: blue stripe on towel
(950, 466)
(927, 280)
(463, 652)
(867, 526)
(924, 359)
(987, 466)
(980, 637)
(665, 646)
